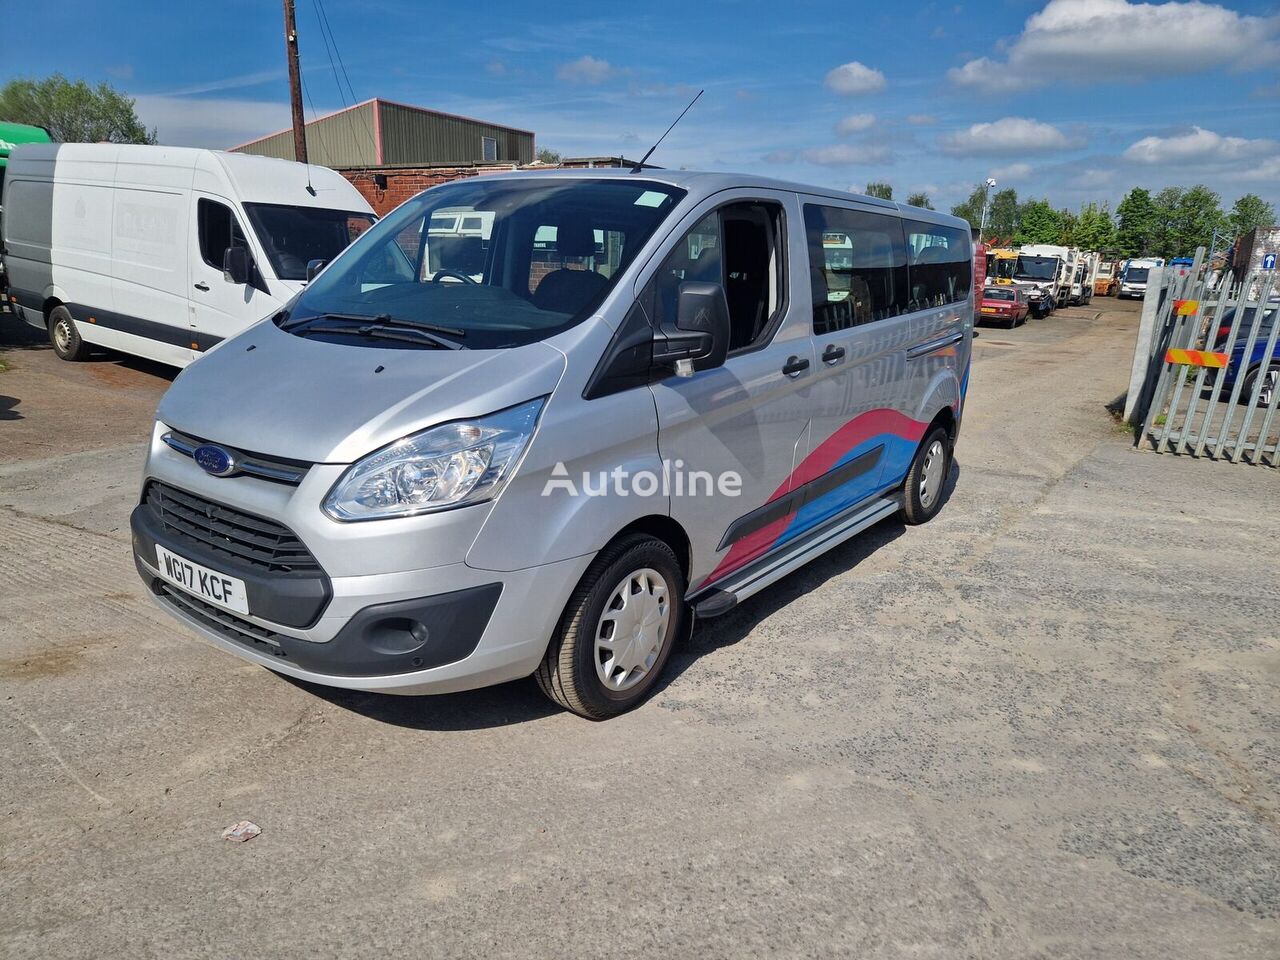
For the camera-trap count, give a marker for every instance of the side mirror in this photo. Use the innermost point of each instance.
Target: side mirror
(236, 265)
(700, 338)
(314, 267)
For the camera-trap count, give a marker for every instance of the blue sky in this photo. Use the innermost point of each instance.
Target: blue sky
(1074, 99)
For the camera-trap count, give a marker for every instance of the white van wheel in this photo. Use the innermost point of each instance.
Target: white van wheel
(64, 336)
(617, 631)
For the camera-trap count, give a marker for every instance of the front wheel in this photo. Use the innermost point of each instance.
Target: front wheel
(617, 631)
(64, 336)
(927, 478)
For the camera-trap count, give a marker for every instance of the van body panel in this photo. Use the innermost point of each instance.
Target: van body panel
(387, 394)
(110, 231)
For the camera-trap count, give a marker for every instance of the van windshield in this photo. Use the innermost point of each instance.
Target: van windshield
(1036, 268)
(499, 262)
(294, 236)
(1136, 274)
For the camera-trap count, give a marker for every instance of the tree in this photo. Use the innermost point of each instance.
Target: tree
(1068, 227)
(920, 199)
(1250, 211)
(1164, 235)
(880, 189)
(1196, 217)
(547, 155)
(1095, 229)
(1002, 218)
(1136, 230)
(74, 112)
(971, 209)
(1038, 222)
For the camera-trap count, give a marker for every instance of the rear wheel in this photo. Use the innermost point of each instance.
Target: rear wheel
(617, 631)
(64, 336)
(927, 478)
(1270, 383)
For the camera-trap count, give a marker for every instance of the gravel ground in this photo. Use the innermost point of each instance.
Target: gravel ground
(1044, 725)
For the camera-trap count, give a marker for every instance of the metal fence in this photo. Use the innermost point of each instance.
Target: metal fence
(1214, 383)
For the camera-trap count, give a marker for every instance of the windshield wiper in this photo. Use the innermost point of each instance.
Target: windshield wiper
(384, 319)
(410, 333)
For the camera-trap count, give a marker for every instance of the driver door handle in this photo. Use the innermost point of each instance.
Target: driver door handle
(795, 366)
(202, 286)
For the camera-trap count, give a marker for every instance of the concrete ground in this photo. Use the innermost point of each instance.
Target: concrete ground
(1044, 725)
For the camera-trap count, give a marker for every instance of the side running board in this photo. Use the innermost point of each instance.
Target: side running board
(726, 594)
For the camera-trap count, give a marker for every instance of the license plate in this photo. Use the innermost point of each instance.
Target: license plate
(988, 309)
(217, 588)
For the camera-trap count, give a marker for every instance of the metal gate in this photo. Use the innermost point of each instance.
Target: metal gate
(1218, 384)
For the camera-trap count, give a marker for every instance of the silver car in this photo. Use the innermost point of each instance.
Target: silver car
(546, 443)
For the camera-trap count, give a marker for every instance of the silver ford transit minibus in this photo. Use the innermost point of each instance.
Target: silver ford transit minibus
(547, 442)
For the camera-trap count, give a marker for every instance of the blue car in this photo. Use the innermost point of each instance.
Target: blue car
(1255, 365)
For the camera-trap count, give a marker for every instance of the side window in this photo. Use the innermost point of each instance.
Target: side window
(218, 229)
(857, 267)
(737, 246)
(940, 268)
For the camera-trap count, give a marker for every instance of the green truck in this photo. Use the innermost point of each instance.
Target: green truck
(13, 135)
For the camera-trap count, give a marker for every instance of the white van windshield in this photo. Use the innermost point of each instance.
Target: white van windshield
(1036, 268)
(294, 236)
(487, 262)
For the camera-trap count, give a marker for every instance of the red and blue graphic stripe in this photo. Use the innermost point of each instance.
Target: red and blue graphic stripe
(896, 437)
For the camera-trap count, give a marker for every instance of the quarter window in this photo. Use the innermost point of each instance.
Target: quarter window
(218, 230)
(941, 264)
(857, 267)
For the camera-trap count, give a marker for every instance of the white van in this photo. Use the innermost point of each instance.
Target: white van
(164, 252)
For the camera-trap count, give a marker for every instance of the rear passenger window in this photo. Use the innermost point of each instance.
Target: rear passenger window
(941, 264)
(218, 230)
(857, 267)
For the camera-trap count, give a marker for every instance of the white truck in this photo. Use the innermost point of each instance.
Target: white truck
(164, 252)
(1086, 272)
(1045, 272)
(1133, 278)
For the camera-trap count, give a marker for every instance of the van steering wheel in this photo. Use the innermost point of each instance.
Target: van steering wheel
(456, 275)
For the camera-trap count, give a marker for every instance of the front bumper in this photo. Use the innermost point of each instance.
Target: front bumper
(384, 623)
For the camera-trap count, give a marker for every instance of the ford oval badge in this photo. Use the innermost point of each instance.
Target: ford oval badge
(214, 460)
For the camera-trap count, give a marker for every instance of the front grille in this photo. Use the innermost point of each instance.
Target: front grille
(222, 622)
(277, 469)
(252, 540)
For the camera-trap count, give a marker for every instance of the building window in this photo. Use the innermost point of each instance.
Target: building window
(489, 149)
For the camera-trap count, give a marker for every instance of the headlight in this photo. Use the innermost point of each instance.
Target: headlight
(446, 466)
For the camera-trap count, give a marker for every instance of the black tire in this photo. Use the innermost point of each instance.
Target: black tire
(568, 673)
(64, 336)
(1251, 381)
(1013, 322)
(922, 495)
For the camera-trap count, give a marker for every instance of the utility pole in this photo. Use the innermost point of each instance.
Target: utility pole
(295, 83)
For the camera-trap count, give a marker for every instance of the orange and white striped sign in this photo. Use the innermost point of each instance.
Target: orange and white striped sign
(1196, 358)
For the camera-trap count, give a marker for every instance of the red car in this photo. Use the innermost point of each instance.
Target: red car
(1005, 304)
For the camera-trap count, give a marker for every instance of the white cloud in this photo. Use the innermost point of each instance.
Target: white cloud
(854, 123)
(854, 78)
(1197, 146)
(921, 119)
(1100, 41)
(586, 69)
(847, 154)
(238, 82)
(1014, 171)
(1017, 134)
(209, 121)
